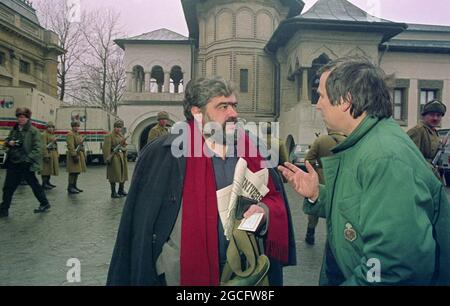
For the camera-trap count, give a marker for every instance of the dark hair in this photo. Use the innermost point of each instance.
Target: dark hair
(357, 80)
(199, 92)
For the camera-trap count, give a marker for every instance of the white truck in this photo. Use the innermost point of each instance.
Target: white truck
(42, 106)
(96, 123)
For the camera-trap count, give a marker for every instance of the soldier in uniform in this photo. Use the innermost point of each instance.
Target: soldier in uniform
(160, 129)
(23, 160)
(76, 161)
(115, 155)
(319, 149)
(50, 166)
(425, 135)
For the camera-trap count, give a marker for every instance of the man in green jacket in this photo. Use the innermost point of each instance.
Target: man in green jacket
(24, 159)
(388, 217)
(320, 148)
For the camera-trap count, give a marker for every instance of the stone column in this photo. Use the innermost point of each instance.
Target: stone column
(166, 81)
(15, 63)
(129, 81)
(147, 81)
(135, 83)
(305, 89)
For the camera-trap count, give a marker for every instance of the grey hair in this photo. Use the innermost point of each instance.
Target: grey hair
(360, 82)
(199, 92)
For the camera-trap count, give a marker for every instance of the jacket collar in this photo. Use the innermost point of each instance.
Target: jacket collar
(427, 127)
(363, 128)
(26, 127)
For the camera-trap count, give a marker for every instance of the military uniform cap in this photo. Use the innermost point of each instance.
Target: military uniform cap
(118, 124)
(162, 116)
(434, 106)
(75, 123)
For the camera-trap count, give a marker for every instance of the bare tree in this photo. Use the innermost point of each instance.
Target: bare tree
(59, 17)
(100, 34)
(117, 79)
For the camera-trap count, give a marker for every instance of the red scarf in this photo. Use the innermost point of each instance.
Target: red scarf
(199, 256)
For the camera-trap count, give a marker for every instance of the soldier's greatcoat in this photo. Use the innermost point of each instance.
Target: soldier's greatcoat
(157, 132)
(76, 162)
(426, 139)
(117, 169)
(50, 165)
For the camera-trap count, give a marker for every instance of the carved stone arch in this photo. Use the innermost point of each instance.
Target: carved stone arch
(177, 63)
(332, 55)
(264, 24)
(156, 62)
(245, 21)
(140, 126)
(357, 51)
(134, 63)
(224, 24)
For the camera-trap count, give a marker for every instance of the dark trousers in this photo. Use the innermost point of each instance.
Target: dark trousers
(14, 175)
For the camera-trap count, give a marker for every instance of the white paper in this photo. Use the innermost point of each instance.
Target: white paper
(252, 223)
(245, 183)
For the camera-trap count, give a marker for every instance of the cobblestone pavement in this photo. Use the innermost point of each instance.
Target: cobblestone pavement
(34, 249)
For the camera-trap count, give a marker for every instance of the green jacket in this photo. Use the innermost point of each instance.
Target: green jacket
(31, 145)
(157, 131)
(381, 201)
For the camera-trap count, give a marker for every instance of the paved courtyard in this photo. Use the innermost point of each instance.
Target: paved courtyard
(35, 249)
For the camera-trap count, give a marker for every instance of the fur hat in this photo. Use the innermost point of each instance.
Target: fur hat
(23, 111)
(75, 123)
(434, 106)
(118, 124)
(163, 116)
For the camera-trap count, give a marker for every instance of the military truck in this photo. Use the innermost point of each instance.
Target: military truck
(42, 106)
(96, 123)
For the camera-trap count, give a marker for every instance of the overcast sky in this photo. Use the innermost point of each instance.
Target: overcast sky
(141, 16)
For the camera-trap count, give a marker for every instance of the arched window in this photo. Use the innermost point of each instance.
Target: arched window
(176, 80)
(314, 79)
(157, 79)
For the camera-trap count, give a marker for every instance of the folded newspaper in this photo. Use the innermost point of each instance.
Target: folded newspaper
(245, 183)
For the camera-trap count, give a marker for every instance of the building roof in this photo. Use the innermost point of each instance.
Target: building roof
(420, 45)
(160, 36)
(22, 7)
(339, 10)
(427, 28)
(190, 13)
(334, 15)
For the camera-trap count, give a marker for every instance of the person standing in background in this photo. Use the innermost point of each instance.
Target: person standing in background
(76, 161)
(50, 166)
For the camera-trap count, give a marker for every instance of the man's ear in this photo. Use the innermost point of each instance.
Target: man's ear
(195, 110)
(346, 104)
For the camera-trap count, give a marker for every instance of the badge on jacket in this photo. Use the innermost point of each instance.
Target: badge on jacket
(350, 233)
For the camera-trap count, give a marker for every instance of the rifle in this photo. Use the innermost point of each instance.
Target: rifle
(441, 150)
(118, 148)
(51, 144)
(80, 146)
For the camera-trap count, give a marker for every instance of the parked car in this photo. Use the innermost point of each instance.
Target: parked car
(298, 154)
(132, 153)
